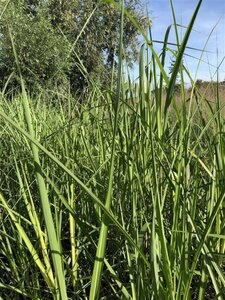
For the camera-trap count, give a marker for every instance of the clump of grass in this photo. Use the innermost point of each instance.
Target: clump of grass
(160, 167)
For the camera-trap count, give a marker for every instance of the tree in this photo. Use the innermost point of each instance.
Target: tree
(40, 50)
(45, 34)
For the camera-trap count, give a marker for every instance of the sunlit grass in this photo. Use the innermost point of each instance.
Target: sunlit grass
(100, 200)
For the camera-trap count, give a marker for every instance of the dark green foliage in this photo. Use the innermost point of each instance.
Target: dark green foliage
(43, 55)
(62, 41)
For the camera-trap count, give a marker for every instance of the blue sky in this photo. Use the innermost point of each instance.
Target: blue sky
(211, 13)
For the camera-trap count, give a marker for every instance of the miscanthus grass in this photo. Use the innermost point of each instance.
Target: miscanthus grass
(120, 196)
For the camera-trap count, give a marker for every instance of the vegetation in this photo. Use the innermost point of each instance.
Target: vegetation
(65, 43)
(120, 196)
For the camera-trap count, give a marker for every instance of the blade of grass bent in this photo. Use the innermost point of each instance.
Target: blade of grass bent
(178, 61)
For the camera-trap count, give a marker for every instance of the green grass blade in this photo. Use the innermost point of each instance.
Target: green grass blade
(179, 59)
(45, 203)
(100, 253)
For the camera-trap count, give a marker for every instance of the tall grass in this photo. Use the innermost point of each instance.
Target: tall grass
(115, 201)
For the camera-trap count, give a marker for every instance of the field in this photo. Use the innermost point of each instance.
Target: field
(118, 196)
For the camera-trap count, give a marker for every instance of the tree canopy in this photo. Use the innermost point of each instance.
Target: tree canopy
(58, 42)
